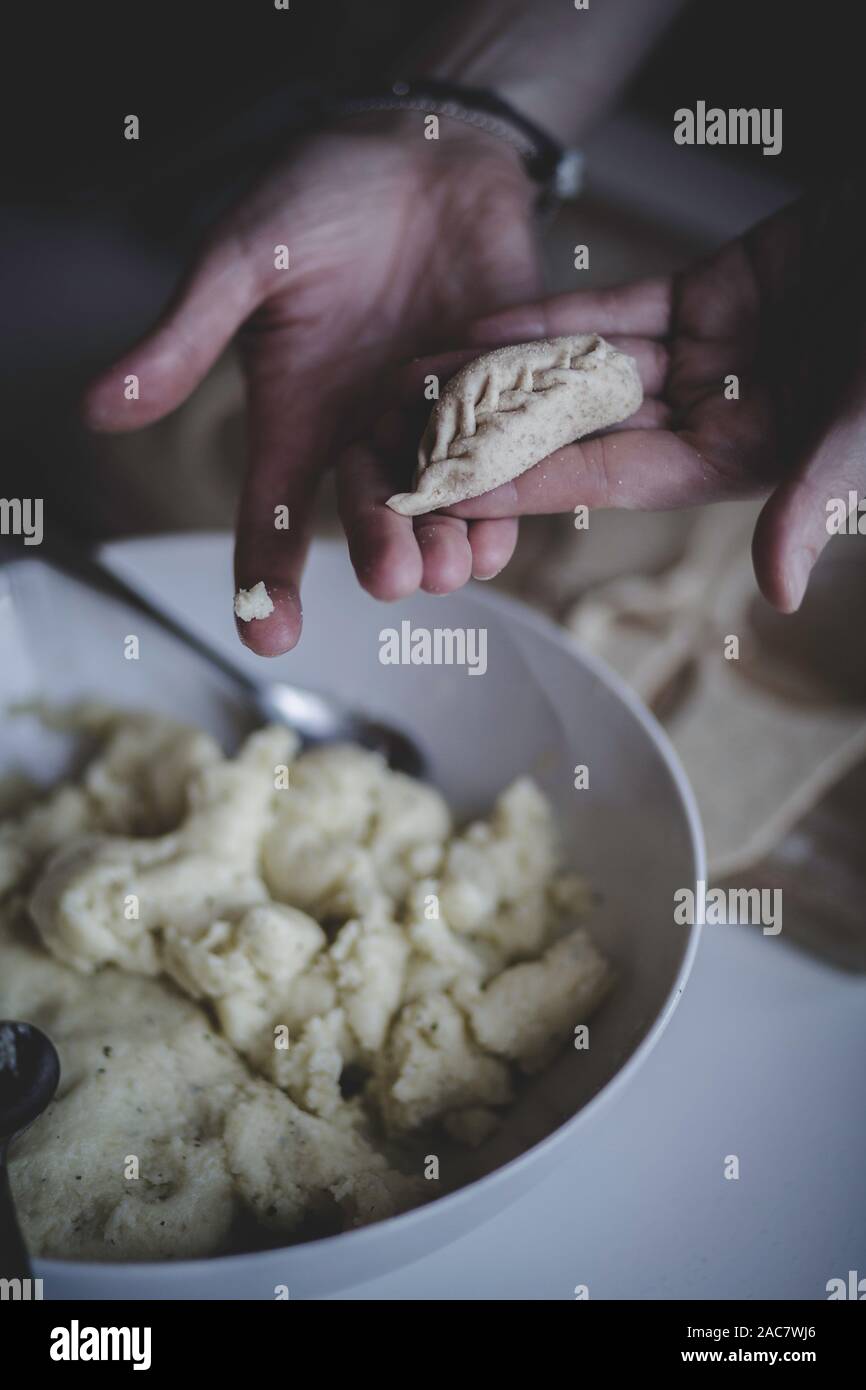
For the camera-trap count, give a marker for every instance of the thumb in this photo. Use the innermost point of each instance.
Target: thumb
(158, 374)
(796, 523)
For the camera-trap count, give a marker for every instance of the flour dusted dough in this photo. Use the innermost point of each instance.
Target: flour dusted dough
(507, 410)
(215, 954)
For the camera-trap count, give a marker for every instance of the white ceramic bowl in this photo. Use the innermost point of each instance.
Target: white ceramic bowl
(543, 706)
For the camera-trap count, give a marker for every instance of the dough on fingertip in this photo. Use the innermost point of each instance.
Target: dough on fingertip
(253, 603)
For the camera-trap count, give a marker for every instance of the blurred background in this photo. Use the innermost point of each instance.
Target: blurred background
(96, 232)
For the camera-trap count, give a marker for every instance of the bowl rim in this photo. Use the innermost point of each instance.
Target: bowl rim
(514, 608)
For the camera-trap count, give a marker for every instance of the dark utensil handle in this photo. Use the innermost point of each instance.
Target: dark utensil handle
(14, 1259)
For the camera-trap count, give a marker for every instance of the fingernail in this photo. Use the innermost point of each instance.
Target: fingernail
(486, 578)
(799, 569)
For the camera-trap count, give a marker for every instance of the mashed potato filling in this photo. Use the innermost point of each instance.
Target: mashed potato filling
(272, 980)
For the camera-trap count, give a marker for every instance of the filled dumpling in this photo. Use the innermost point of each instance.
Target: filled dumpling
(504, 412)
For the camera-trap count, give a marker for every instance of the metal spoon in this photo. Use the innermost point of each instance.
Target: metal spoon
(29, 1073)
(315, 718)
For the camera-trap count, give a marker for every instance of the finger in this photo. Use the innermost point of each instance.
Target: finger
(492, 544)
(445, 553)
(647, 469)
(794, 526)
(382, 544)
(412, 383)
(290, 430)
(652, 414)
(651, 358)
(642, 309)
(171, 360)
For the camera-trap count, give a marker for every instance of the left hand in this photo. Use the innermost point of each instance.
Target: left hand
(394, 241)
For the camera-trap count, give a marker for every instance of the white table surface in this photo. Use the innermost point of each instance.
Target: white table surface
(764, 1059)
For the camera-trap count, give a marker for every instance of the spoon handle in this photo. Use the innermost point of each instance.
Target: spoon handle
(14, 1259)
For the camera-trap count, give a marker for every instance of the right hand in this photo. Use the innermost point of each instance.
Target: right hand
(783, 309)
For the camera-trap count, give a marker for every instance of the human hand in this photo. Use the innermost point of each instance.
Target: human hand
(394, 242)
(783, 310)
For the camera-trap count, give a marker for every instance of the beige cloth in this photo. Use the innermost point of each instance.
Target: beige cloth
(763, 731)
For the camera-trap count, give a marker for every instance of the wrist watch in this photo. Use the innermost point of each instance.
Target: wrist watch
(558, 171)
